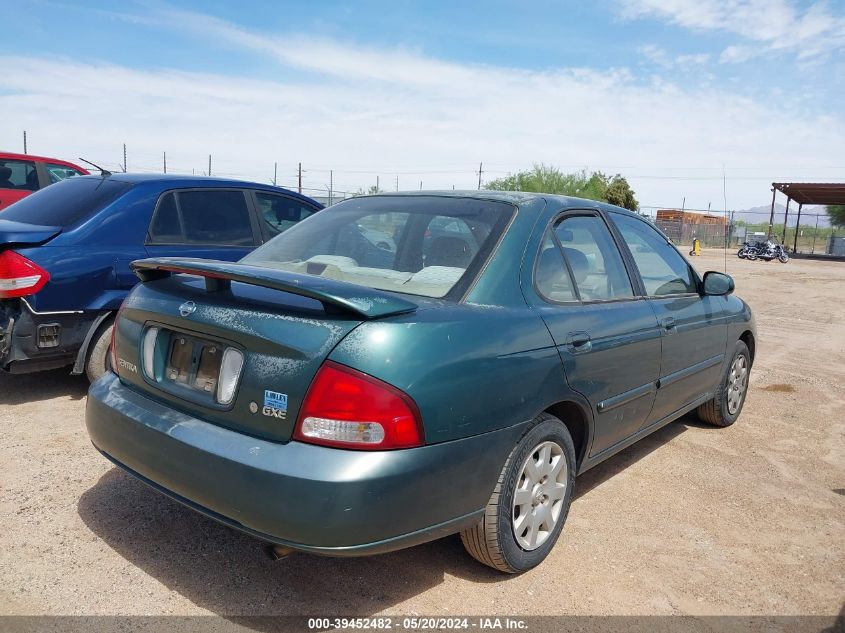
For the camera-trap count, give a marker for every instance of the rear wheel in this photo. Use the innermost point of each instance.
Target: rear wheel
(726, 405)
(97, 362)
(783, 258)
(528, 508)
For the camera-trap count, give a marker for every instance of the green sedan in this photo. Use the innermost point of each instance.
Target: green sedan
(341, 395)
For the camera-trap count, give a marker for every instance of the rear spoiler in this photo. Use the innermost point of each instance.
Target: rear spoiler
(334, 295)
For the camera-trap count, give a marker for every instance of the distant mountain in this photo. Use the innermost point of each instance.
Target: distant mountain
(760, 215)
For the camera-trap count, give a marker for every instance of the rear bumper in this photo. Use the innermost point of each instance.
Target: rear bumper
(312, 498)
(19, 346)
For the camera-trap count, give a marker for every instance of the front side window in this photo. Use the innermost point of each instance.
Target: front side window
(219, 218)
(662, 269)
(280, 213)
(423, 245)
(593, 258)
(60, 172)
(18, 174)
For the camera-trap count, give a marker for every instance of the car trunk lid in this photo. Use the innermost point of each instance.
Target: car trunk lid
(20, 233)
(284, 324)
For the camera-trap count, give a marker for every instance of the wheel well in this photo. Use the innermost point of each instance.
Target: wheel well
(748, 338)
(575, 420)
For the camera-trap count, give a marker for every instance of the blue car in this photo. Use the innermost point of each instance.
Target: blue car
(65, 253)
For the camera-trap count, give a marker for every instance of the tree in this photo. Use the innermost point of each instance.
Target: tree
(372, 189)
(547, 179)
(836, 213)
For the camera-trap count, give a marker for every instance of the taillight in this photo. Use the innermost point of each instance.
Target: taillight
(349, 409)
(19, 276)
(113, 348)
(230, 371)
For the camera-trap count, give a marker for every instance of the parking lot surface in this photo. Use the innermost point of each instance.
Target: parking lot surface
(692, 520)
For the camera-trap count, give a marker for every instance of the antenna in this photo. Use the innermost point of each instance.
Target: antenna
(103, 172)
(727, 227)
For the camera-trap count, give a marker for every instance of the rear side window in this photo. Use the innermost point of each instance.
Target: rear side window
(66, 202)
(550, 274)
(18, 174)
(202, 217)
(593, 258)
(280, 213)
(663, 270)
(60, 172)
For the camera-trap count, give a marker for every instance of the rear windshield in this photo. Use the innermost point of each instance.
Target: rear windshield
(65, 202)
(421, 245)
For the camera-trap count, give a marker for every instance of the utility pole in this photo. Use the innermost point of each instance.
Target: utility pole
(124, 158)
(209, 164)
(479, 175)
(275, 172)
(24, 142)
(684, 204)
(331, 186)
(420, 185)
(397, 183)
(377, 185)
(300, 178)
(165, 162)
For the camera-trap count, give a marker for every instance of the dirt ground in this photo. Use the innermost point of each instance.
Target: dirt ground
(692, 520)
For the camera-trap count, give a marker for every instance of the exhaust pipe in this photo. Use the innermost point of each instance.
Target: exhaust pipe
(278, 552)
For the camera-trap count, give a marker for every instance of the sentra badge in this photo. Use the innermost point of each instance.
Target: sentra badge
(275, 404)
(125, 364)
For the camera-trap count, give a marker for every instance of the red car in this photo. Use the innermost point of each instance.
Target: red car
(21, 174)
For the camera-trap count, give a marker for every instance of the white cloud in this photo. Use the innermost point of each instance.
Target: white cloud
(658, 56)
(397, 111)
(771, 25)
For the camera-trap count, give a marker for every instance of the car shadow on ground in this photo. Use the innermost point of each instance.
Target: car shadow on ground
(42, 385)
(622, 460)
(228, 573)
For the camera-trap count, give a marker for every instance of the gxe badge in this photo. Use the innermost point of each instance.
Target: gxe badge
(187, 308)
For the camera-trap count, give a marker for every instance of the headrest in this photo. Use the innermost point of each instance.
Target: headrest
(578, 262)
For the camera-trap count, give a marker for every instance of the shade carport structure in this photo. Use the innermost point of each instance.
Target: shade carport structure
(822, 193)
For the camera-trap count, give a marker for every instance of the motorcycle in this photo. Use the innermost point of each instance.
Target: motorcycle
(748, 251)
(767, 251)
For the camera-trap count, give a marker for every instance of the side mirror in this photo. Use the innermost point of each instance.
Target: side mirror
(717, 284)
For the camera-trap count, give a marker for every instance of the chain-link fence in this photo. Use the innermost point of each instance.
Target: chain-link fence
(811, 235)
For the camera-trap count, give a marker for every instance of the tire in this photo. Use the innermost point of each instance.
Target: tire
(726, 405)
(741, 253)
(783, 258)
(751, 256)
(493, 541)
(98, 361)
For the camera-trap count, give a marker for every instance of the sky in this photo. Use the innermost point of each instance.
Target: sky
(702, 103)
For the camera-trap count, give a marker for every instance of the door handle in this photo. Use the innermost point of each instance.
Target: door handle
(578, 342)
(667, 323)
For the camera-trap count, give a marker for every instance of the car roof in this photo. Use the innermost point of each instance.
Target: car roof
(517, 198)
(187, 181)
(39, 159)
